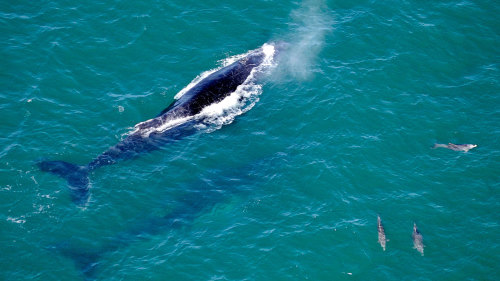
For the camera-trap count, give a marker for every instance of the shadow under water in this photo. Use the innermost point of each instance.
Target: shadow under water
(200, 198)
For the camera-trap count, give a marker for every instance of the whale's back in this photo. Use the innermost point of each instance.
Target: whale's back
(216, 86)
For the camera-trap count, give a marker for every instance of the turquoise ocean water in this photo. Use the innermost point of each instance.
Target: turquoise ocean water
(290, 190)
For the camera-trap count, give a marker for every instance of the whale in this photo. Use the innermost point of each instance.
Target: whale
(456, 147)
(183, 117)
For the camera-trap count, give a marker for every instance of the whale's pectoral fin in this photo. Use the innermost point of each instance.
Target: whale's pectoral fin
(77, 177)
(86, 261)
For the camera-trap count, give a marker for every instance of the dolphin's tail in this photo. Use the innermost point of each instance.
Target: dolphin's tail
(436, 145)
(77, 177)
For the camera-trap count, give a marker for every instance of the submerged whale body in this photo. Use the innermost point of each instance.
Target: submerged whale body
(181, 118)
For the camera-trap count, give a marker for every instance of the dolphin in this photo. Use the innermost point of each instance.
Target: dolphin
(456, 147)
(381, 233)
(418, 240)
(183, 117)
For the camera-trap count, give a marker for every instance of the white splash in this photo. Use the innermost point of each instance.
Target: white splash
(16, 220)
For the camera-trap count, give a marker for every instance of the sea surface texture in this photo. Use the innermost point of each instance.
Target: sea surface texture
(340, 130)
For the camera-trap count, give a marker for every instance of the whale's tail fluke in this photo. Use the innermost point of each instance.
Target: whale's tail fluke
(77, 177)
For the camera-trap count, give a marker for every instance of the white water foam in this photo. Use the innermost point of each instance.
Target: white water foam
(218, 114)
